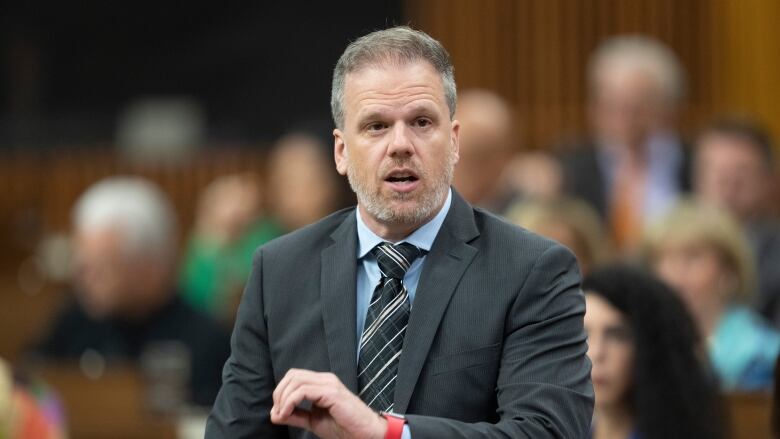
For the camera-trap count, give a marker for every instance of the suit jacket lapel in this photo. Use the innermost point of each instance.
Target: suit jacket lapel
(339, 301)
(448, 259)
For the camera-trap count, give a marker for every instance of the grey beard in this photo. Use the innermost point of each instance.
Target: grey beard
(374, 205)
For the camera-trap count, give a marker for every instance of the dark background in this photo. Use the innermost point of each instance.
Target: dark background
(258, 68)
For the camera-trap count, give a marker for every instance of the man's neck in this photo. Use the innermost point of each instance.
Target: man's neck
(397, 231)
(392, 232)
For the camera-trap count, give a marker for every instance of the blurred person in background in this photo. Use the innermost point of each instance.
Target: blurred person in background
(535, 175)
(701, 251)
(487, 143)
(125, 263)
(28, 411)
(229, 226)
(734, 169)
(650, 379)
(635, 166)
(303, 187)
(570, 222)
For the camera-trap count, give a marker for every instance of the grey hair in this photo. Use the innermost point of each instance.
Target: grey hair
(400, 44)
(135, 207)
(641, 53)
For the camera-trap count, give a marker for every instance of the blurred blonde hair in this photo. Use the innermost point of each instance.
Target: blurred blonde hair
(697, 223)
(574, 214)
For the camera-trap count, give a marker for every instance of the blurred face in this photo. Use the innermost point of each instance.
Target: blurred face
(303, 189)
(102, 271)
(485, 149)
(398, 146)
(611, 350)
(228, 208)
(731, 173)
(695, 270)
(109, 281)
(627, 106)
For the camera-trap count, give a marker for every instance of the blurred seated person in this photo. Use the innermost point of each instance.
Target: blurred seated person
(487, 142)
(734, 169)
(229, 226)
(570, 222)
(649, 377)
(303, 185)
(535, 175)
(701, 251)
(634, 166)
(125, 303)
(28, 412)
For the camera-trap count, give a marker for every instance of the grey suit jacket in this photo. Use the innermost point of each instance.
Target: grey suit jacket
(495, 346)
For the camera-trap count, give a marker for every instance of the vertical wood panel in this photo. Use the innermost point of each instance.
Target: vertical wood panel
(534, 52)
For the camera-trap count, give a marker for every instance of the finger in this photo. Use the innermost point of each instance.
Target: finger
(295, 397)
(292, 378)
(300, 378)
(298, 418)
(276, 395)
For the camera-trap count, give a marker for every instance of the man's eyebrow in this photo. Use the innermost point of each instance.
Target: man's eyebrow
(380, 113)
(371, 114)
(421, 107)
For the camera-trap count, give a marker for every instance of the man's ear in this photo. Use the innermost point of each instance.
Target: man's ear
(340, 151)
(455, 139)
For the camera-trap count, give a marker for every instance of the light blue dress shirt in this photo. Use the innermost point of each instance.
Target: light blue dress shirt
(368, 274)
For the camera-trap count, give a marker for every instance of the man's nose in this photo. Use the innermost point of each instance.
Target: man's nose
(400, 141)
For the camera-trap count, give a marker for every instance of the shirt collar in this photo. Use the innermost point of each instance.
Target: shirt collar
(423, 237)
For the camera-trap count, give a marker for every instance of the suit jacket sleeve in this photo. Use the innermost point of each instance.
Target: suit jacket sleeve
(243, 405)
(544, 388)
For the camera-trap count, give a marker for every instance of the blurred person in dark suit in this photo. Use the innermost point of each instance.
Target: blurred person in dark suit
(634, 167)
(126, 304)
(650, 379)
(734, 168)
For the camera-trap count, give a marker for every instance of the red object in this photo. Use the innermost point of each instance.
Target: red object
(395, 426)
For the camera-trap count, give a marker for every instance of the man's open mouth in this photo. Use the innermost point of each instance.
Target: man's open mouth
(399, 179)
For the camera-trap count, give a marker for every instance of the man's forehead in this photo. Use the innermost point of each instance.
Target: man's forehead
(415, 83)
(397, 67)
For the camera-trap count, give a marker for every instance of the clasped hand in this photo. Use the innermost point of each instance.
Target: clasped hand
(336, 413)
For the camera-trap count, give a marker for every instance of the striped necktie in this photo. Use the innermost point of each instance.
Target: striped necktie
(383, 333)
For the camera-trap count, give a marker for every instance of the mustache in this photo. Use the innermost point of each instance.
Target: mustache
(407, 163)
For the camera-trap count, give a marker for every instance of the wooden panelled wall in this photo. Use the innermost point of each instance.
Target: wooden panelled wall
(535, 52)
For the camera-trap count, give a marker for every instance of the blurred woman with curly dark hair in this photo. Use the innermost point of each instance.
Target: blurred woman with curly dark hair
(649, 373)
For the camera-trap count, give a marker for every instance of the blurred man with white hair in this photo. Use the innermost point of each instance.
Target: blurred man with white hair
(634, 166)
(125, 261)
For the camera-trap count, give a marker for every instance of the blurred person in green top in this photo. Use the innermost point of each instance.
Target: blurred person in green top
(229, 226)
(231, 222)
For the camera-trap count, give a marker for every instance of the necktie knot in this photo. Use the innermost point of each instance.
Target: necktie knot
(395, 259)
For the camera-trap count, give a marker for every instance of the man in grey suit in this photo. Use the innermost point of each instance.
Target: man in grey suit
(413, 315)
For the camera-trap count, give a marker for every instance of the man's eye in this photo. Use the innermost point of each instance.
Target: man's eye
(422, 122)
(376, 126)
